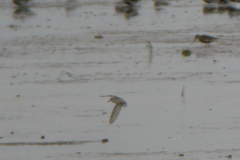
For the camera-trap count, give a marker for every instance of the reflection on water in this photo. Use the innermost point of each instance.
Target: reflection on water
(131, 13)
(233, 12)
(223, 8)
(208, 9)
(150, 50)
(159, 3)
(70, 6)
(127, 7)
(130, 7)
(219, 9)
(23, 12)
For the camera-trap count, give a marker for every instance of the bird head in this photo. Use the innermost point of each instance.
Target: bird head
(111, 100)
(196, 37)
(124, 104)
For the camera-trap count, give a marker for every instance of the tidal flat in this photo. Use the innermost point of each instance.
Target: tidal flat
(58, 57)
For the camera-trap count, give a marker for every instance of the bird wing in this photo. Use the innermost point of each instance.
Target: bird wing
(115, 113)
(208, 37)
(120, 99)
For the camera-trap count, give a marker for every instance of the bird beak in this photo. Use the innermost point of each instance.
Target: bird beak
(194, 40)
(109, 101)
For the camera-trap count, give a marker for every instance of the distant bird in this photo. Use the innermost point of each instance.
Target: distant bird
(223, 1)
(208, 9)
(218, 1)
(205, 39)
(131, 3)
(211, 1)
(237, 1)
(21, 2)
(128, 2)
(158, 3)
(119, 104)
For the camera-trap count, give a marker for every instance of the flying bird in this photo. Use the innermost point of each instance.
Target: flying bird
(119, 104)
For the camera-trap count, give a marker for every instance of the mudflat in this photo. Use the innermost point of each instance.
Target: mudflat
(58, 57)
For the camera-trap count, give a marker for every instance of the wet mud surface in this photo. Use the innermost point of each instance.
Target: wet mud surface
(58, 57)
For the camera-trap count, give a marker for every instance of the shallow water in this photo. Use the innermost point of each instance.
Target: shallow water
(53, 72)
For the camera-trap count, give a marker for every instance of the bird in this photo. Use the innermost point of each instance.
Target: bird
(223, 1)
(21, 2)
(128, 2)
(237, 1)
(218, 1)
(205, 39)
(211, 1)
(119, 104)
(161, 3)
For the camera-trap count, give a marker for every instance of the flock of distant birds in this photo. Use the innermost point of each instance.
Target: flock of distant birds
(128, 2)
(130, 7)
(223, 5)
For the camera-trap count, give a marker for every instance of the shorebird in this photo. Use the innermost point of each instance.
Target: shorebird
(160, 3)
(218, 1)
(119, 104)
(223, 1)
(237, 1)
(211, 1)
(205, 39)
(128, 2)
(20, 2)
